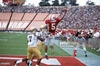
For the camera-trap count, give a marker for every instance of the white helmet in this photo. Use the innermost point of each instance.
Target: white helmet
(52, 17)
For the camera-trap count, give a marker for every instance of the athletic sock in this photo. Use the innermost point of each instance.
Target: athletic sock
(29, 62)
(46, 54)
(19, 61)
(74, 53)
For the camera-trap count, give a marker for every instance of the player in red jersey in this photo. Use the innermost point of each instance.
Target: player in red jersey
(51, 28)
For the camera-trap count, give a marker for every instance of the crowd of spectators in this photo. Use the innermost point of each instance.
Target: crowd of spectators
(83, 17)
(31, 9)
(77, 17)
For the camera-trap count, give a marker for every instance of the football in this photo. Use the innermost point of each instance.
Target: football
(64, 9)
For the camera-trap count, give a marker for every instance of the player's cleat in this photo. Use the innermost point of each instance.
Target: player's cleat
(52, 51)
(15, 63)
(85, 55)
(46, 56)
(28, 63)
(74, 53)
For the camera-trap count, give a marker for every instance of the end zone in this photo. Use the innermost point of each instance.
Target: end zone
(53, 61)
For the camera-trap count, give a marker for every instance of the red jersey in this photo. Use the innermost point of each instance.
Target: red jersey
(52, 24)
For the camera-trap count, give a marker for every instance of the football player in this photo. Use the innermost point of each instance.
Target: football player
(80, 41)
(32, 49)
(51, 28)
(43, 34)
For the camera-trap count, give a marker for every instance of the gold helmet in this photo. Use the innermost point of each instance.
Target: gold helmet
(42, 27)
(32, 29)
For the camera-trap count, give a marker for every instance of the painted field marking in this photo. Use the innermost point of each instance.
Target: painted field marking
(50, 61)
(4, 63)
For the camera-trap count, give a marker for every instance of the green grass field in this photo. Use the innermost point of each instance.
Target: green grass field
(16, 44)
(93, 51)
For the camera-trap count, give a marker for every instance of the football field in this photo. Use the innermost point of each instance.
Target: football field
(13, 46)
(16, 44)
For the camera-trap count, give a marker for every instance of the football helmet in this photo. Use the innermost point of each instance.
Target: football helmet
(43, 27)
(32, 29)
(52, 17)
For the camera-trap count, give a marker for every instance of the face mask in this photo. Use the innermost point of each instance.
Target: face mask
(34, 32)
(52, 18)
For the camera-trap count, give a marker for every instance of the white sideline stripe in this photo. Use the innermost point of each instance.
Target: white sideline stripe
(10, 58)
(50, 61)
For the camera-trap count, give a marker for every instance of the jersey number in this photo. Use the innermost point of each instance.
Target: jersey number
(30, 38)
(53, 26)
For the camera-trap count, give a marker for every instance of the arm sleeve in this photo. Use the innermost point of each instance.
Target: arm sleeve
(47, 21)
(58, 19)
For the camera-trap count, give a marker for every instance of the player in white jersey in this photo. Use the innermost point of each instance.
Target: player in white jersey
(80, 40)
(45, 35)
(42, 33)
(32, 49)
(32, 40)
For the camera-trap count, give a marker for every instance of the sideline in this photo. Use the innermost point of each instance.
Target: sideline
(91, 60)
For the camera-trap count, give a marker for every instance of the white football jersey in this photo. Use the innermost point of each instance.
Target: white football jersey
(32, 40)
(41, 34)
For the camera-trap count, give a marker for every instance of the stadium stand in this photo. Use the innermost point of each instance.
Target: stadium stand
(81, 17)
(85, 16)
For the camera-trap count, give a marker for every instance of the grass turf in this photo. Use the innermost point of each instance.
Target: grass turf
(16, 44)
(93, 51)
